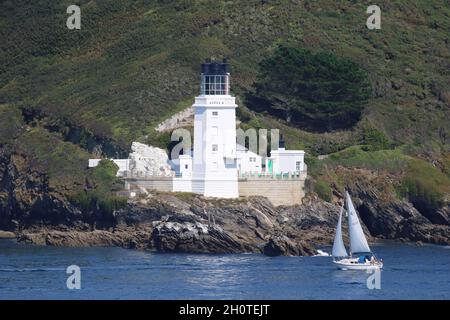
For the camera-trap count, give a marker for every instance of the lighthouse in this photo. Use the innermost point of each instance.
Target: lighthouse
(218, 166)
(214, 168)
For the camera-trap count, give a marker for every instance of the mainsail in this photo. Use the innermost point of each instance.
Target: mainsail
(358, 242)
(338, 245)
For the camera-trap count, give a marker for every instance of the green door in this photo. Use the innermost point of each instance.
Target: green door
(270, 165)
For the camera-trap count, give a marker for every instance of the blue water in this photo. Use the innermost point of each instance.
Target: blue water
(34, 272)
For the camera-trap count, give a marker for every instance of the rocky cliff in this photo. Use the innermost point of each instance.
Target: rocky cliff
(38, 210)
(191, 223)
(136, 70)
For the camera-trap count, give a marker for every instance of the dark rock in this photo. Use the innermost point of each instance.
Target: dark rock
(428, 233)
(172, 223)
(388, 217)
(193, 238)
(282, 245)
(441, 216)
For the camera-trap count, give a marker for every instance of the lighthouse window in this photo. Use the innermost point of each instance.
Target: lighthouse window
(215, 147)
(215, 84)
(215, 113)
(186, 166)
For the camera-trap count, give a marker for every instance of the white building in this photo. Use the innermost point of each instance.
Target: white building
(248, 162)
(218, 167)
(214, 167)
(218, 160)
(284, 161)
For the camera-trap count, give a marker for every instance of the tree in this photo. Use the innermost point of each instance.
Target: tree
(317, 91)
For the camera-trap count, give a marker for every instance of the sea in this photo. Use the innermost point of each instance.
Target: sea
(41, 272)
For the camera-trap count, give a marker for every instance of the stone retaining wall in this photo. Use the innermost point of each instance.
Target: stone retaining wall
(279, 192)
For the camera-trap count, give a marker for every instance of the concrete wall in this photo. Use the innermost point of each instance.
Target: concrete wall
(94, 162)
(279, 192)
(156, 183)
(182, 185)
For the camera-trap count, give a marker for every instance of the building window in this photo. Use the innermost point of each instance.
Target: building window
(215, 113)
(186, 166)
(297, 166)
(215, 147)
(252, 159)
(214, 131)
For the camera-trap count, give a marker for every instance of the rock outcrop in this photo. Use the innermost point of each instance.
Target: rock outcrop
(192, 224)
(181, 119)
(387, 217)
(7, 235)
(146, 159)
(169, 222)
(282, 245)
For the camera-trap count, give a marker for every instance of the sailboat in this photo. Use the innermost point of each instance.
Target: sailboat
(360, 257)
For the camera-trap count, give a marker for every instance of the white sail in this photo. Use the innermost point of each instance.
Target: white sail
(358, 241)
(338, 245)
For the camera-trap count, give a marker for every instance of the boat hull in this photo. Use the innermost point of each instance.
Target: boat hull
(354, 265)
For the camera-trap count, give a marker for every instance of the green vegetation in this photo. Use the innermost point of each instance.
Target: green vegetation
(63, 162)
(421, 183)
(134, 63)
(446, 164)
(99, 196)
(392, 161)
(425, 186)
(375, 140)
(11, 123)
(319, 91)
(323, 190)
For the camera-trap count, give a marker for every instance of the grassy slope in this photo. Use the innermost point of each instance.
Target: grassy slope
(134, 63)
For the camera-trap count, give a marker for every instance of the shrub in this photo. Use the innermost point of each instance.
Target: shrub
(99, 198)
(323, 190)
(425, 186)
(375, 140)
(11, 123)
(319, 91)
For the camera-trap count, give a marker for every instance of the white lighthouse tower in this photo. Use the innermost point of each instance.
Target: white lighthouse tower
(214, 171)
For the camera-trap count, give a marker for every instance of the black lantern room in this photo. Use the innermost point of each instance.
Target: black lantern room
(215, 78)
